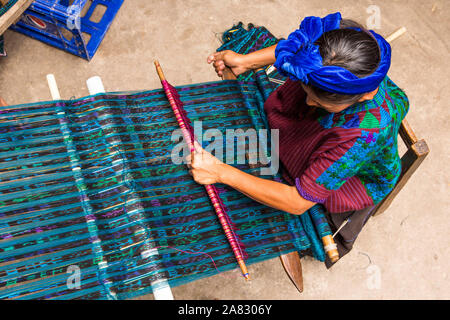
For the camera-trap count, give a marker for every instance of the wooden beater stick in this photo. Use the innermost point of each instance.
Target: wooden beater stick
(212, 194)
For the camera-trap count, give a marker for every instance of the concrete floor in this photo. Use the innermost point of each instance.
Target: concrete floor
(406, 248)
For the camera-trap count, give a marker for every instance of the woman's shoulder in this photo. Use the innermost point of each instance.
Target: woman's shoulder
(397, 99)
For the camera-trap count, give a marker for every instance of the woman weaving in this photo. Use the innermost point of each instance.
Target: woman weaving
(338, 117)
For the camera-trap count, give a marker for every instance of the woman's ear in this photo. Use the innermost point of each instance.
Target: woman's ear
(368, 95)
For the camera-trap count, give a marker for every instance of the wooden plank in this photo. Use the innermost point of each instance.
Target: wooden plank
(13, 14)
(293, 267)
(407, 134)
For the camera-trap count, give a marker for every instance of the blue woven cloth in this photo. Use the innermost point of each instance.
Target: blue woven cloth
(3, 10)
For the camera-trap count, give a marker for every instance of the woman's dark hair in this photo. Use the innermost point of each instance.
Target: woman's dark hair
(356, 51)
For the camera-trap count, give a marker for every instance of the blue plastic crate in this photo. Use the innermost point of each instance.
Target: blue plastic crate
(60, 24)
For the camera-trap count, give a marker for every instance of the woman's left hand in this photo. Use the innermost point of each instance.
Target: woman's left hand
(204, 167)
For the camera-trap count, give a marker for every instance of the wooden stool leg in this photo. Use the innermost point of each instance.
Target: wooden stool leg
(293, 267)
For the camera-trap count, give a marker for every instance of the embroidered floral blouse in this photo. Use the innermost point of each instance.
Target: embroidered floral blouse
(347, 160)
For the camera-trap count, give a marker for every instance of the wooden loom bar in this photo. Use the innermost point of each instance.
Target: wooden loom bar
(13, 14)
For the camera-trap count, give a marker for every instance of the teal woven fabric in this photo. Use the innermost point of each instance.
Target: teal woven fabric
(2, 46)
(89, 183)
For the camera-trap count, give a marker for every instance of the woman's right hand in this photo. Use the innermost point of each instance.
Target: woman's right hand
(230, 59)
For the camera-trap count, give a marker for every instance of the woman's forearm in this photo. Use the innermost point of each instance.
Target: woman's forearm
(270, 193)
(260, 58)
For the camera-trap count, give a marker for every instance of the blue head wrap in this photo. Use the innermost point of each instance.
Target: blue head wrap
(299, 58)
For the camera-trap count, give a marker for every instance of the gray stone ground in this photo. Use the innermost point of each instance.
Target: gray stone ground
(408, 245)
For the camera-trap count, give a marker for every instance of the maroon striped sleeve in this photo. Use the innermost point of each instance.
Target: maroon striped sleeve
(307, 185)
